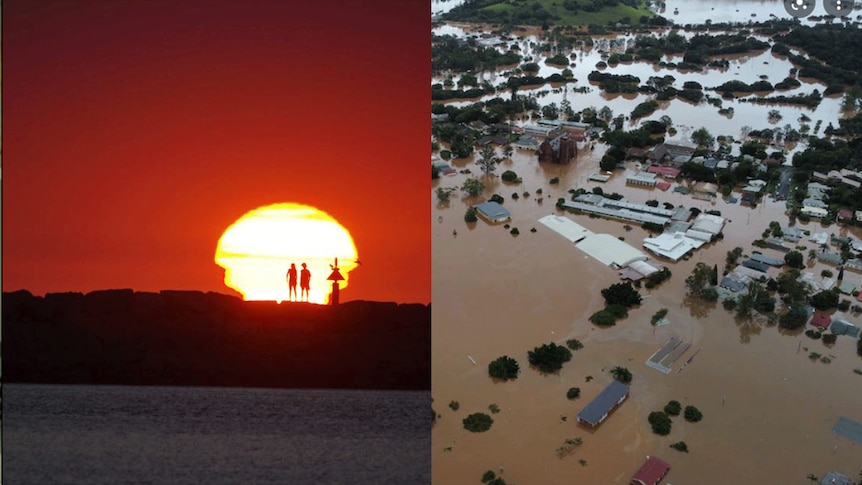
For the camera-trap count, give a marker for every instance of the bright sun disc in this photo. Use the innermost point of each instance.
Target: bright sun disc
(257, 250)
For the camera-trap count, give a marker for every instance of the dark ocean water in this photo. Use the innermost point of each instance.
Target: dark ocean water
(186, 435)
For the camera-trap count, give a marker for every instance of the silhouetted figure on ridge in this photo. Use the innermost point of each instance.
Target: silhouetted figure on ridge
(291, 281)
(304, 282)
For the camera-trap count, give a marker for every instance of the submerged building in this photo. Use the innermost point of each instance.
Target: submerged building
(599, 408)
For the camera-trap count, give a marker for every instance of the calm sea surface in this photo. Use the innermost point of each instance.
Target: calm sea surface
(185, 435)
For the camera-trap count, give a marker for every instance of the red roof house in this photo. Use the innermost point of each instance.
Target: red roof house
(821, 320)
(666, 172)
(845, 214)
(651, 472)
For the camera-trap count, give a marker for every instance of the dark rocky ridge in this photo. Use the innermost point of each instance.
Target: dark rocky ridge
(208, 339)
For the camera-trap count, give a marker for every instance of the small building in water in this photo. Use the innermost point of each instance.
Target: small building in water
(651, 472)
(594, 413)
(492, 211)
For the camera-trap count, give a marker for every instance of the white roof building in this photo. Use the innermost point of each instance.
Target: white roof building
(610, 250)
(708, 223)
(813, 211)
(819, 238)
(672, 246)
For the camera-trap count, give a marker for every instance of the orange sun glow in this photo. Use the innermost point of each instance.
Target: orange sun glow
(257, 250)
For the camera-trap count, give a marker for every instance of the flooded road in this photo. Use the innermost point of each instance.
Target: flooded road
(768, 409)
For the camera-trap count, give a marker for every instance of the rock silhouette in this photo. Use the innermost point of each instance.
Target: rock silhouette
(209, 339)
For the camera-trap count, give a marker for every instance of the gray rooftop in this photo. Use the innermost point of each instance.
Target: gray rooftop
(843, 327)
(603, 403)
(849, 429)
(835, 478)
(750, 263)
(732, 284)
(762, 258)
(492, 210)
(625, 214)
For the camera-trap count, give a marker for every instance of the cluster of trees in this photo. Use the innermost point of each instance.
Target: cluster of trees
(450, 53)
(660, 420)
(644, 109)
(615, 83)
(657, 278)
(550, 357)
(622, 374)
(504, 368)
(619, 297)
(491, 478)
(477, 422)
(829, 43)
(700, 282)
(810, 100)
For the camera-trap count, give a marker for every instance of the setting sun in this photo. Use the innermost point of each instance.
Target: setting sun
(257, 250)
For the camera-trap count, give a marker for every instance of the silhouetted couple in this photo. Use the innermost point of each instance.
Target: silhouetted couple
(304, 282)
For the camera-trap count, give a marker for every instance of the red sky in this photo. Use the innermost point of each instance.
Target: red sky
(134, 133)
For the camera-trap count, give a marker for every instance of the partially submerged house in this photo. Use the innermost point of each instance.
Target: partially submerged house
(493, 211)
(594, 413)
(762, 258)
(651, 472)
(672, 246)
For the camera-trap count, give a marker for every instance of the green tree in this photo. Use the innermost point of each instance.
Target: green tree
(443, 194)
(488, 160)
(608, 163)
(621, 374)
(713, 280)
(470, 215)
(660, 423)
(795, 259)
(574, 344)
(508, 151)
(504, 368)
(549, 358)
(697, 283)
(702, 137)
(473, 187)
(680, 446)
(621, 294)
(692, 414)
(794, 318)
(509, 176)
(825, 299)
(658, 316)
(605, 114)
(603, 318)
(477, 422)
(673, 408)
(573, 393)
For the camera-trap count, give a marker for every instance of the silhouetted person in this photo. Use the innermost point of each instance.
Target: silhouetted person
(304, 282)
(291, 281)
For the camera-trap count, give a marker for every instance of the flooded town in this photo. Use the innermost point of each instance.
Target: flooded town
(646, 267)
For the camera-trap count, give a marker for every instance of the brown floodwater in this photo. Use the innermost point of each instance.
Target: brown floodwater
(768, 409)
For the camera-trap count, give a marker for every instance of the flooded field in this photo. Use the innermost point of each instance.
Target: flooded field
(497, 294)
(748, 68)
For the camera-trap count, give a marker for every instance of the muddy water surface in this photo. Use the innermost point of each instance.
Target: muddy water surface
(768, 410)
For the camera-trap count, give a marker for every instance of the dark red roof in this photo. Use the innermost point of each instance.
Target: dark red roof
(845, 213)
(821, 320)
(662, 185)
(651, 472)
(664, 171)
